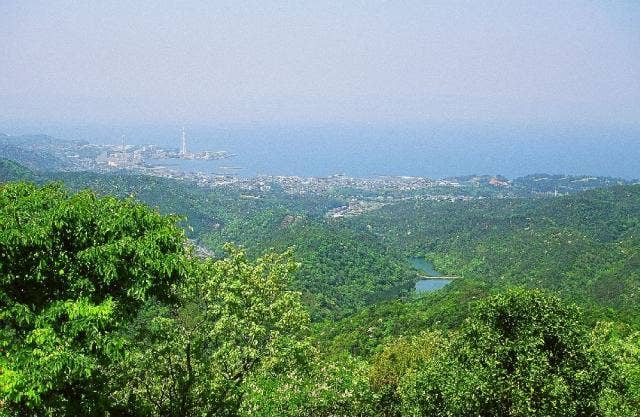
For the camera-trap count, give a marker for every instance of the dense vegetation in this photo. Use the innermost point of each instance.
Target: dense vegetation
(586, 246)
(37, 152)
(12, 171)
(106, 308)
(105, 311)
(341, 270)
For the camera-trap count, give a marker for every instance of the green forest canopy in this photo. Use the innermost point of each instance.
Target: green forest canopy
(105, 309)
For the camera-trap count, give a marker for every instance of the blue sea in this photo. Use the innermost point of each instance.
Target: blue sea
(429, 150)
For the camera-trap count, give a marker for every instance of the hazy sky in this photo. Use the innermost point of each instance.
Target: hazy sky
(320, 61)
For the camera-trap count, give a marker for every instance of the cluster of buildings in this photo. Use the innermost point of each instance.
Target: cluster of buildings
(123, 156)
(362, 194)
(132, 156)
(340, 182)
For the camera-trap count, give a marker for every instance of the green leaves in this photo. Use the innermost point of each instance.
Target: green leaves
(103, 309)
(319, 387)
(522, 353)
(73, 268)
(234, 319)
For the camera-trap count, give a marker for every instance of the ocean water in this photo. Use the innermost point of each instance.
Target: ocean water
(434, 151)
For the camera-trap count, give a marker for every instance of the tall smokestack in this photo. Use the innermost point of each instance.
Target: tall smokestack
(183, 147)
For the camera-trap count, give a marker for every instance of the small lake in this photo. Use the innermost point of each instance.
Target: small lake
(426, 285)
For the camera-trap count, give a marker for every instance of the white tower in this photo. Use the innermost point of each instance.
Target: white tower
(183, 147)
(124, 149)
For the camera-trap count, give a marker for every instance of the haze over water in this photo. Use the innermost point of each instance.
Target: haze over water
(429, 151)
(435, 89)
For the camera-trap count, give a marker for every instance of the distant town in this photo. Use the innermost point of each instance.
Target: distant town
(44, 153)
(125, 156)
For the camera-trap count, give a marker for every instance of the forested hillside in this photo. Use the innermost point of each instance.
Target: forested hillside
(320, 208)
(341, 270)
(38, 152)
(12, 171)
(106, 309)
(586, 246)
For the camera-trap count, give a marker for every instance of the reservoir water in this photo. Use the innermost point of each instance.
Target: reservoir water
(431, 284)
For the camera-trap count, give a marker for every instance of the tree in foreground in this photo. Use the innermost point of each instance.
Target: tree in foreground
(73, 269)
(317, 387)
(619, 346)
(235, 319)
(103, 311)
(523, 353)
(400, 358)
